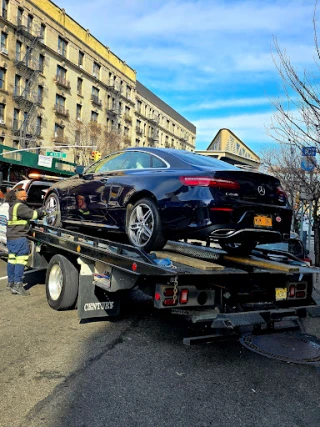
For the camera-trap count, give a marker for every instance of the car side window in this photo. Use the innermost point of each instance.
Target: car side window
(138, 160)
(157, 163)
(110, 163)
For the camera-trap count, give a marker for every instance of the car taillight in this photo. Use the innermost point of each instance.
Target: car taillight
(281, 192)
(203, 181)
(184, 295)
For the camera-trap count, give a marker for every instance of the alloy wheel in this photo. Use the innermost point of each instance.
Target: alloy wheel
(141, 225)
(55, 282)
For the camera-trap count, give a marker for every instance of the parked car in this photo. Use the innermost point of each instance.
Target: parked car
(153, 194)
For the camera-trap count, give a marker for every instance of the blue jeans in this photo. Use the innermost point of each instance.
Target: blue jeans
(18, 254)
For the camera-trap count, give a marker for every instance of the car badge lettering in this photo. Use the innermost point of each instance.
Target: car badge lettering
(261, 190)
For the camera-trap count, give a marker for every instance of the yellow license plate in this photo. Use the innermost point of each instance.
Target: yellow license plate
(262, 221)
(281, 294)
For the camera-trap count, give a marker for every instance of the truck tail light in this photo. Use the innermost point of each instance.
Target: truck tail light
(168, 292)
(292, 291)
(184, 295)
(169, 301)
(300, 294)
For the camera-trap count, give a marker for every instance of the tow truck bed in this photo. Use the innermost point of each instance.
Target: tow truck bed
(203, 284)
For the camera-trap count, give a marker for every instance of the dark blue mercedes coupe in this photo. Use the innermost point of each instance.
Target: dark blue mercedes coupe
(155, 194)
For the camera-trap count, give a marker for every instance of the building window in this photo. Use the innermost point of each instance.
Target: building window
(19, 16)
(79, 86)
(96, 70)
(2, 78)
(139, 106)
(60, 100)
(58, 131)
(17, 85)
(29, 23)
(16, 124)
(41, 62)
(79, 112)
(80, 58)
(42, 31)
(61, 72)
(4, 43)
(94, 116)
(38, 125)
(5, 4)
(128, 92)
(40, 95)
(62, 46)
(18, 51)
(2, 113)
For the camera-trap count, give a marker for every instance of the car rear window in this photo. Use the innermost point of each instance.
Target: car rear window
(199, 160)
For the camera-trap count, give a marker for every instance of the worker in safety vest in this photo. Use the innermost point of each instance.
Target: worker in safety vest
(18, 224)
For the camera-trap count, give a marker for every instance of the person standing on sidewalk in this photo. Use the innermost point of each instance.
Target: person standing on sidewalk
(17, 243)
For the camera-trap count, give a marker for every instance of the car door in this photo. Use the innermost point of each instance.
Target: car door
(89, 198)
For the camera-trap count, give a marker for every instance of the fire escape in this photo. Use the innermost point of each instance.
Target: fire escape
(26, 95)
(113, 109)
(154, 130)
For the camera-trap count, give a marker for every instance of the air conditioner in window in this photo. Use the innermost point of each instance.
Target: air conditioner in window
(2, 122)
(95, 75)
(4, 50)
(59, 50)
(81, 66)
(79, 119)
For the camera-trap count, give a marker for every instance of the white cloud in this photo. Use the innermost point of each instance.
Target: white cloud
(236, 102)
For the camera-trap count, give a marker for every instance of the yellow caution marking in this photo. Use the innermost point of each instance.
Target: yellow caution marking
(255, 262)
(78, 248)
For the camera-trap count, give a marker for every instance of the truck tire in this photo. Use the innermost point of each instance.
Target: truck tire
(62, 283)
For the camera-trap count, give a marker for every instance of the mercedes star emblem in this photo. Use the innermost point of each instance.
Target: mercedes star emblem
(261, 190)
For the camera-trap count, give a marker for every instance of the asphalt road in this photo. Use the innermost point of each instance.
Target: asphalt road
(135, 371)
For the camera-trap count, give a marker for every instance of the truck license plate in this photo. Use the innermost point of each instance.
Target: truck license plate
(262, 221)
(281, 294)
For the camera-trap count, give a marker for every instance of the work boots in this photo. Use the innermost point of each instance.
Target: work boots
(9, 286)
(18, 289)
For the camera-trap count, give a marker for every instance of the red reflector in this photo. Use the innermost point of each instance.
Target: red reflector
(203, 181)
(169, 302)
(281, 192)
(184, 294)
(134, 267)
(222, 209)
(301, 286)
(300, 294)
(168, 292)
(292, 291)
(157, 296)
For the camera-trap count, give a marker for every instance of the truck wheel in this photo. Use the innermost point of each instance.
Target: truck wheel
(144, 228)
(62, 283)
(52, 205)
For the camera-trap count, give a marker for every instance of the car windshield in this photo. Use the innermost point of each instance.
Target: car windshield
(199, 160)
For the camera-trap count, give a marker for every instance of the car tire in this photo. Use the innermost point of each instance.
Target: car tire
(238, 248)
(62, 283)
(143, 225)
(52, 202)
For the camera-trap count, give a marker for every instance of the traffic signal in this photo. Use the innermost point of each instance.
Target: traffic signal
(93, 155)
(97, 156)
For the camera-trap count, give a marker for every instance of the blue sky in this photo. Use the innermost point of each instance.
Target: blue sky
(211, 60)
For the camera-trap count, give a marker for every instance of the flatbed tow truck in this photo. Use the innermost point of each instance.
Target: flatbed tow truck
(215, 291)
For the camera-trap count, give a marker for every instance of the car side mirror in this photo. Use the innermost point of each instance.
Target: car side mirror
(79, 170)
